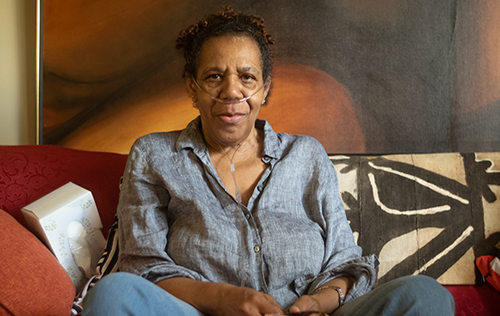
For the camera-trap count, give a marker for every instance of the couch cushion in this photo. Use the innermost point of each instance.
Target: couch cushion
(33, 281)
(481, 300)
(30, 172)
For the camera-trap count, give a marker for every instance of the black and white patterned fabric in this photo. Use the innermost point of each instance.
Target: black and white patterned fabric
(106, 265)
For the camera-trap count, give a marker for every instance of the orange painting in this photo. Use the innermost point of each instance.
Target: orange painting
(361, 76)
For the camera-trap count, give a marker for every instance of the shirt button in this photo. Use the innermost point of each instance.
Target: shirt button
(256, 249)
(247, 216)
(259, 188)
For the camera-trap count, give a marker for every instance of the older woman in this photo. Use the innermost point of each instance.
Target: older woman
(227, 217)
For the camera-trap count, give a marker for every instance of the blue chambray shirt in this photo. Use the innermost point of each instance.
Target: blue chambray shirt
(176, 219)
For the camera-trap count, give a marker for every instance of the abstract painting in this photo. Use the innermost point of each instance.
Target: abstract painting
(361, 76)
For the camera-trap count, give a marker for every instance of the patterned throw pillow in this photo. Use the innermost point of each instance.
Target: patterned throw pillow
(106, 265)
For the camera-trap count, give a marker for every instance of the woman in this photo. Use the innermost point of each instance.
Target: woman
(227, 217)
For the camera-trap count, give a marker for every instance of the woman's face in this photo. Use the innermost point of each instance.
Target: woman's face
(229, 68)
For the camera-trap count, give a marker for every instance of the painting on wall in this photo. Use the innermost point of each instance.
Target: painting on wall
(361, 76)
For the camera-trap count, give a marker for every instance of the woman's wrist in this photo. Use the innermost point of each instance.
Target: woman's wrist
(338, 289)
(331, 295)
(327, 300)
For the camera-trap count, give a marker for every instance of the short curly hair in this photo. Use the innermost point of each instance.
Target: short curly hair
(226, 22)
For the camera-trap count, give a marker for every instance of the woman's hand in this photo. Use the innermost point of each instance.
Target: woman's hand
(222, 299)
(248, 302)
(323, 301)
(305, 303)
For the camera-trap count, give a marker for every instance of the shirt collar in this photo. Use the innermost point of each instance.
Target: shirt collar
(272, 142)
(192, 137)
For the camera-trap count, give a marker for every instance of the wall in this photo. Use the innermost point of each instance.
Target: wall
(18, 72)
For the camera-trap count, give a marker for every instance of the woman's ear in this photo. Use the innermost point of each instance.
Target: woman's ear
(190, 86)
(191, 90)
(267, 88)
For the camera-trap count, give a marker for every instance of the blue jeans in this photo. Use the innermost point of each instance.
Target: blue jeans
(127, 294)
(409, 295)
(124, 294)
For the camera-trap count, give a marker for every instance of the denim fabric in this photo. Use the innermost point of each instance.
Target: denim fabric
(409, 295)
(126, 294)
(177, 219)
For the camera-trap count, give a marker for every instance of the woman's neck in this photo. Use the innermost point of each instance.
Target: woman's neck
(250, 146)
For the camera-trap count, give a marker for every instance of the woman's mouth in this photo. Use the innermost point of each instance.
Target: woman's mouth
(231, 118)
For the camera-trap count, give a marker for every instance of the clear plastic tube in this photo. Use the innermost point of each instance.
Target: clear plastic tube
(228, 101)
(242, 237)
(237, 194)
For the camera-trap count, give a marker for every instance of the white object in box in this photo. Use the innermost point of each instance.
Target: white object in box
(53, 217)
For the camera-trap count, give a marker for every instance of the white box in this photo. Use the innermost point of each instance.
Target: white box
(50, 217)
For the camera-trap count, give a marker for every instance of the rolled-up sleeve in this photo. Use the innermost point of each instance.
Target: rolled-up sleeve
(143, 222)
(342, 256)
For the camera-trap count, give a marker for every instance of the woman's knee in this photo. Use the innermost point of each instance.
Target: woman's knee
(424, 293)
(409, 295)
(122, 294)
(118, 278)
(422, 284)
(115, 282)
(127, 294)
(113, 289)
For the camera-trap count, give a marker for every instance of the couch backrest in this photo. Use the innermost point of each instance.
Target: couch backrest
(30, 172)
(424, 213)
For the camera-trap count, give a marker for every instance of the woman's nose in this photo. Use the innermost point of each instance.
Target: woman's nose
(231, 88)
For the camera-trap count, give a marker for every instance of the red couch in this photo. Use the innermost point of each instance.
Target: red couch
(33, 283)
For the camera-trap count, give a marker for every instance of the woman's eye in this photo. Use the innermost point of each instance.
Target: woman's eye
(213, 80)
(247, 78)
(214, 77)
